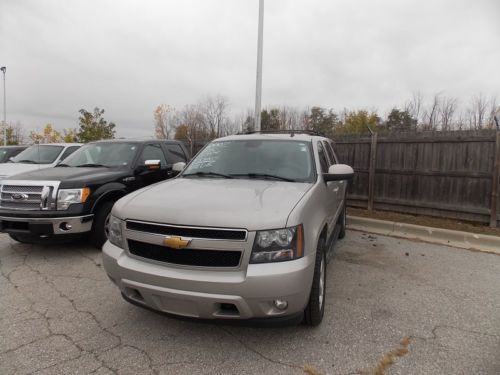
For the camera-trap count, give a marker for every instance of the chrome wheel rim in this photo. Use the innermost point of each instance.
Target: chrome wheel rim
(322, 283)
(106, 225)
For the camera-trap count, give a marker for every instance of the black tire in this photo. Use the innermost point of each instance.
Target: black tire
(315, 309)
(98, 235)
(26, 238)
(342, 222)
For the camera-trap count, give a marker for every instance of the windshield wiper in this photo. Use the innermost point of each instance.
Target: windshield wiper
(27, 161)
(91, 165)
(63, 165)
(264, 176)
(207, 174)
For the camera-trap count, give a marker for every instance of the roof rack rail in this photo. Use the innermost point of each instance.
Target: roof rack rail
(283, 131)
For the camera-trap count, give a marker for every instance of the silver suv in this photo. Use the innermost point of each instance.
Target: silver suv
(245, 231)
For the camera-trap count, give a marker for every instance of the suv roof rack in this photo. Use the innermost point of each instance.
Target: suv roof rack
(283, 131)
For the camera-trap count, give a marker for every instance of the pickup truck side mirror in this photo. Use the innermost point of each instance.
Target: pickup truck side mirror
(152, 165)
(338, 172)
(178, 167)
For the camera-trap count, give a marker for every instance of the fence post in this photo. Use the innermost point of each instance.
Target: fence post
(494, 183)
(371, 172)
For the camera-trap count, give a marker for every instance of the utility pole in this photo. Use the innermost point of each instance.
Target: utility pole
(4, 69)
(258, 88)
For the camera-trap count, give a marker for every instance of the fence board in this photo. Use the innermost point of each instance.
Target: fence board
(440, 174)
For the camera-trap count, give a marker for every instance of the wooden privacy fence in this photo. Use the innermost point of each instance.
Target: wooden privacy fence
(445, 174)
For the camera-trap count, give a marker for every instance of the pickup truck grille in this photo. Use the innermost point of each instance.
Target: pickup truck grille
(190, 232)
(26, 197)
(187, 257)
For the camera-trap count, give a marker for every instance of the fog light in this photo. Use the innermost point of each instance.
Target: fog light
(280, 304)
(65, 226)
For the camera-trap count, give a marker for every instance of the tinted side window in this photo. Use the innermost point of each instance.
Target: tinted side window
(153, 152)
(175, 153)
(322, 158)
(69, 151)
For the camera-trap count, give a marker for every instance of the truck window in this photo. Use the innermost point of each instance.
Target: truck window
(175, 153)
(153, 152)
(69, 151)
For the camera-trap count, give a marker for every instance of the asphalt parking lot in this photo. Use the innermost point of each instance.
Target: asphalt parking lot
(59, 314)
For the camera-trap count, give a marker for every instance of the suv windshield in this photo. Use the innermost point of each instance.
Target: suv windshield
(102, 155)
(258, 159)
(38, 154)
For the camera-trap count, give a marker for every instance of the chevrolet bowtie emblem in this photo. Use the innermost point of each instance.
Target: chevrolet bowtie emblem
(176, 242)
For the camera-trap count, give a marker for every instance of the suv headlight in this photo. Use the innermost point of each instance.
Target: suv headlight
(115, 234)
(66, 197)
(278, 245)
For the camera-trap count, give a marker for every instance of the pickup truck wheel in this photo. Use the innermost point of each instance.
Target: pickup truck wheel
(100, 226)
(342, 222)
(22, 238)
(313, 314)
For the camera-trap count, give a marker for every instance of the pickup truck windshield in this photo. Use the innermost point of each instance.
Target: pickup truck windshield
(102, 155)
(38, 154)
(254, 159)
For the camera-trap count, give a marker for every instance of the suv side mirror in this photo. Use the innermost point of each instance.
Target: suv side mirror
(178, 167)
(338, 172)
(152, 165)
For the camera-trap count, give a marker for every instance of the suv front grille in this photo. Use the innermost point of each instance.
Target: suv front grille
(187, 257)
(198, 232)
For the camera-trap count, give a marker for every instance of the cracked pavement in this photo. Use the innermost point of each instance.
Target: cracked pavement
(59, 314)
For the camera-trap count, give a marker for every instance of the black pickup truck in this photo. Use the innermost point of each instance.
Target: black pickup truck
(77, 195)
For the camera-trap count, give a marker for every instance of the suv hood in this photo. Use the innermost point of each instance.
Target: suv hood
(10, 169)
(237, 203)
(71, 177)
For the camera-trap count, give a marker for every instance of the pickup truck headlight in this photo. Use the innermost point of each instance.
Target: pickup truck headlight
(115, 235)
(278, 245)
(65, 197)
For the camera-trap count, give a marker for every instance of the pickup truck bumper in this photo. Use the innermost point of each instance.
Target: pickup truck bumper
(45, 227)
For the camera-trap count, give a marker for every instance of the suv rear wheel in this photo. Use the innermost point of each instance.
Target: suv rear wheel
(100, 226)
(313, 314)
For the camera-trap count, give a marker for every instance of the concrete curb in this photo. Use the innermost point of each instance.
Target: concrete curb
(463, 240)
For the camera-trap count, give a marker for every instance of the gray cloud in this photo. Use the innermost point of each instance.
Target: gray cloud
(129, 56)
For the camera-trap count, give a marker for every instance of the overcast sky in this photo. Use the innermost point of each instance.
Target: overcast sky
(129, 56)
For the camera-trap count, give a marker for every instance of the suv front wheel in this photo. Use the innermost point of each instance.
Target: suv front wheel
(313, 314)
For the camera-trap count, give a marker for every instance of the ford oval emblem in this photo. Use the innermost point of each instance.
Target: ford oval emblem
(19, 197)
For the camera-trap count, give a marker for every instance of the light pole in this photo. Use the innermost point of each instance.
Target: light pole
(4, 69)
(258, 88)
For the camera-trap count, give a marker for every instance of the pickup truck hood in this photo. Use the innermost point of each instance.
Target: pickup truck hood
(237, 203)
(10, 169)
(72, 177)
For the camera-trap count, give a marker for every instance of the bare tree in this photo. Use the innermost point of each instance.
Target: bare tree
(214, 110)
(191, 126)
(494, 110)
(477, 111)
(414, 106)
(162, 117)
(430, 116)
(447, 112)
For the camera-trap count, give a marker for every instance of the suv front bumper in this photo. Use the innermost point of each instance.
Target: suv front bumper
(212, 294)
(46, 226)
